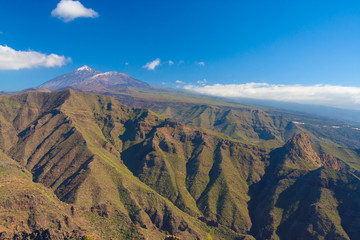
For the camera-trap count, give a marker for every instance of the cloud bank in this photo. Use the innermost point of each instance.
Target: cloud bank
(11, 59)
(68, 10)
(152, 65)
(327, 95)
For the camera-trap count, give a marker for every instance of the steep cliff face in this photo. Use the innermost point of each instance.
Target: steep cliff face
(133, 174)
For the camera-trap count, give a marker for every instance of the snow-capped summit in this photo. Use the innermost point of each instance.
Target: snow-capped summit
(88, 79)
(64, 81)
(84, 68)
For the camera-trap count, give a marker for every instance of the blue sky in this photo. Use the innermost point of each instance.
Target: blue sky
(225, 42)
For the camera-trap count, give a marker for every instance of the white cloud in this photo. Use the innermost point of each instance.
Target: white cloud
(327, 95)
(11, 59)
(179, 82)
(201, 63)
(202, 82)
(68, 10)
(126, 63)
(171, 62)
(152, 65)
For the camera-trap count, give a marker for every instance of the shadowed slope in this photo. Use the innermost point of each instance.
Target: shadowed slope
(301, 194)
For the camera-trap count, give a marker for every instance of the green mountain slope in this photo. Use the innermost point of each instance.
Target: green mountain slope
(257, 125)
(304, 195)
(29, 210)
(134, 174)
(82, 146)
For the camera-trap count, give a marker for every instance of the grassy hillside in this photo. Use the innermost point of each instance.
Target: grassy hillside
(257, 125)
(29, 210)
(299, 199)
(134, 174)
(81, 147)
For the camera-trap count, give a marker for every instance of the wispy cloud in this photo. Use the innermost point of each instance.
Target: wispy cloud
(180, 62)
(126, 63)
(11, 59)
(327, 95)
(68, 10)
(202, 82)
(179, 82)
(200, 63)
(170, 62)
(152, 65)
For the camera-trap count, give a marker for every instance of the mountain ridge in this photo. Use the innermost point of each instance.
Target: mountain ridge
(90, 155)
(132, 167)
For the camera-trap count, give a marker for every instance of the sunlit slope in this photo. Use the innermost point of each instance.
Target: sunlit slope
(259, 125)
(86, 148)
(135, 174)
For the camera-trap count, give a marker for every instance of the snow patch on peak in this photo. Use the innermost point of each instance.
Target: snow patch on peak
(105, 74)
(84, 68)
(110, 73)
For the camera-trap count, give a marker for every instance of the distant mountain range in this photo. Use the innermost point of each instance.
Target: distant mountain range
(352, 116)
(111, 157)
